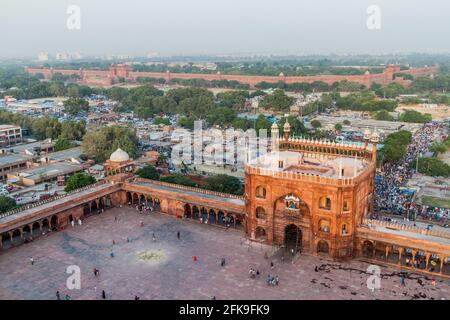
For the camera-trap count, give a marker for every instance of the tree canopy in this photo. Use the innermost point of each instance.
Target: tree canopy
(78, 180)
(415, 116)
(225, 183)
(383, 115)
(75, 106)
(395, 146)
(148, 172)
(6, 204)
(99, 144)
(432, 167)
(277, 101)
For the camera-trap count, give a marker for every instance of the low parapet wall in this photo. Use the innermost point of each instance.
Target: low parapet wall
(404, 227)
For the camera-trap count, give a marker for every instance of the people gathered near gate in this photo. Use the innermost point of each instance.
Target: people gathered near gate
(389, 196)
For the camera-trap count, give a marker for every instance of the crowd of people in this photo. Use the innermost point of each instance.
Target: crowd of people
(389, 195)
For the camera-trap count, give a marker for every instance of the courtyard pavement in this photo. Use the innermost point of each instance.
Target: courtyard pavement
(165, 268)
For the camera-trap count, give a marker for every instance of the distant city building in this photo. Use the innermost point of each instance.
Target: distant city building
(76, 55)
(48, 173)
(152, 55)
(10, 135)
(62, 56)
(43, 56)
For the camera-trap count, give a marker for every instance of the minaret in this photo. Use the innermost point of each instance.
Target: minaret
(274, 135)
(286, 130)
(366, 137)
(374, 139)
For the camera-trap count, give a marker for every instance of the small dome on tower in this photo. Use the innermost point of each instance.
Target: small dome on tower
(281, 74)
(119, 156)
(274, 126)
(287, 126)
(375, 138)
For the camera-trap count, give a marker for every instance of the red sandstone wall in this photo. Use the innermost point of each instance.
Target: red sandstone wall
(384, 78)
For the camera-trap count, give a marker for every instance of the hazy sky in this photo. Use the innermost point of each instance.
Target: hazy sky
(223, 26)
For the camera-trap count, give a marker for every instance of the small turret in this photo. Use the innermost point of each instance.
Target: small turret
(286, 130)
(366, 137)
(274, 134)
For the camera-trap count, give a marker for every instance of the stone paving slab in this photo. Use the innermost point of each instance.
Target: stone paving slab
(169, 270)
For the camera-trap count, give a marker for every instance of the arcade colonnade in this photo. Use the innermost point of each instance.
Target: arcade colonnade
(54, 222)
(405, 257)
(188, 210)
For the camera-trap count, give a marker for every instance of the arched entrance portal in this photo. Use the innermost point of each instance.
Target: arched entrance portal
(368, 249)
(54, 222)
(293, 238)
(187, 211)
(157, 204)
(322, 247)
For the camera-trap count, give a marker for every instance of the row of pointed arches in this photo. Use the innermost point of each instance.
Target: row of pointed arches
(134, 198)
(407, 257)
(36, 229)
(213, 216)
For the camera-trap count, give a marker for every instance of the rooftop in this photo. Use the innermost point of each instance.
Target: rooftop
(52, 170)
(11, 159)
(8, 126)
(303, 163)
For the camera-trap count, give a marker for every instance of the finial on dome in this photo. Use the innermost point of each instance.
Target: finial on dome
(375, 138)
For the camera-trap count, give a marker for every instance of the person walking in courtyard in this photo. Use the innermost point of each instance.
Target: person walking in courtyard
(58, 297)
(67, 297)
(154, 237)
(272, 266)
(32, 261)
(72, 223)
(222, 262)
(103, 294)
(80, 222)
(402, 279)
(178, 235)
(269, 279)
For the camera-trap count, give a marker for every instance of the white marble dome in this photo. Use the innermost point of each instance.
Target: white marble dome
(119, 156)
